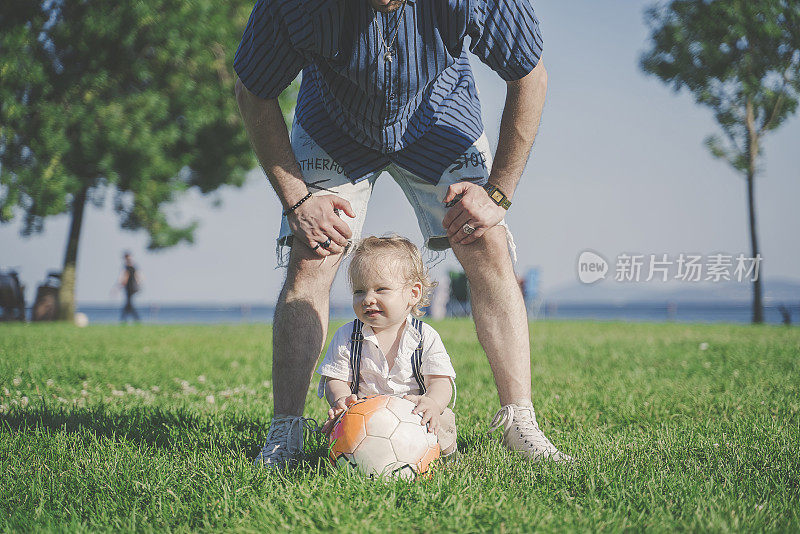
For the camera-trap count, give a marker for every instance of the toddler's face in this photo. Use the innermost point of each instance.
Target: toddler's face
(382, 300)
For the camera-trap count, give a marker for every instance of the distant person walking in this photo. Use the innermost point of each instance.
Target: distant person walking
(130, 281)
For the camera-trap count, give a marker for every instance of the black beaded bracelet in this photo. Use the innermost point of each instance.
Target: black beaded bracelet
(290, 210)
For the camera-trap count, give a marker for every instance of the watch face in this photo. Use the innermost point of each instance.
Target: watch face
(497, 196)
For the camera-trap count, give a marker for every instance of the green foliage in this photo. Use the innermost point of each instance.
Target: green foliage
(730, 54)
(134, 97)
(677, 428)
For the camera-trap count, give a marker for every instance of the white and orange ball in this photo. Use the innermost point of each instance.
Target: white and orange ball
(380, 436)
(81, 320)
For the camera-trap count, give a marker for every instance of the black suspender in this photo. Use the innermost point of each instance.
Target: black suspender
(357, 339)
(416, 358)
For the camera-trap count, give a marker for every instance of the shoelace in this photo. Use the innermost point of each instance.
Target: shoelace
(504, 417)
(282, 437)
(507, 415)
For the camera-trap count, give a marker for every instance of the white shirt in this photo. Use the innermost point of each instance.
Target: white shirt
(376, 376)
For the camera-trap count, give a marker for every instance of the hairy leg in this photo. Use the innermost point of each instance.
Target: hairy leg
(300, 326)
(499, 311)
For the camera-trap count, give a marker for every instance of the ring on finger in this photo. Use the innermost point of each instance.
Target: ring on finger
(326, 244)
(467, 229)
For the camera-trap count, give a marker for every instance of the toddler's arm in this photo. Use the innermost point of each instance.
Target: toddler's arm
(434, 401)
(439, 389)
(339, 396)
(336, 390)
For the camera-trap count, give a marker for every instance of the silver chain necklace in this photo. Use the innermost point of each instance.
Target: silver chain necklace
(387, 55)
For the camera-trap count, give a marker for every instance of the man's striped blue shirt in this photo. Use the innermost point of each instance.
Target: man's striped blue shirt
(420, 110)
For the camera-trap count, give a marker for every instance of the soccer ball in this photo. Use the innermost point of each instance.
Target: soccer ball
(81, 320)
(380, 436)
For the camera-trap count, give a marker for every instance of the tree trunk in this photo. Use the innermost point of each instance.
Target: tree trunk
(758, 306)
(66, 310)
(752, 155)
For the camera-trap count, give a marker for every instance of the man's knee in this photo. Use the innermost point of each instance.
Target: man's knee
(491, 249)
(309, 272)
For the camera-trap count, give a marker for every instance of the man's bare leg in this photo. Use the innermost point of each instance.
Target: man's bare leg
(300, 326)
(299, 329)
(502, 325)
(499, 311)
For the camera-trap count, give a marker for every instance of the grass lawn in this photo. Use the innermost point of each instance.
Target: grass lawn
(676, 427)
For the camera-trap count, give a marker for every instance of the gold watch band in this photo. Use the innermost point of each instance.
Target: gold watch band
(497, 196)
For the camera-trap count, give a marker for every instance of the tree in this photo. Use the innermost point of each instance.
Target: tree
(741, 58)
(133, 98)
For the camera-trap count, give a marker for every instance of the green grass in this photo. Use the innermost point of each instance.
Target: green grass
(676, 428)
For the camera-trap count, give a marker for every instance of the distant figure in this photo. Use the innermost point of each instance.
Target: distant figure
(441, 294)
(12, 297)
(459, 304)
(46, 305)
(786, 315)
(130, 281)
(521, 283)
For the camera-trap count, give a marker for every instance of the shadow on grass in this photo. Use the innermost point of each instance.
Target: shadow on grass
(176, 429)
(469, 440)
(169, 429)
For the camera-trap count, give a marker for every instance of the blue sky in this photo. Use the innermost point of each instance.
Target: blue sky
(619, 166)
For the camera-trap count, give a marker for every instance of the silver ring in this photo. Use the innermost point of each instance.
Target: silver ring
(467, 229)
(326, 244)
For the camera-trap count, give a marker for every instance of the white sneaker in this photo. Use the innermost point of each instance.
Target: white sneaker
(284, 443)
(521, 433)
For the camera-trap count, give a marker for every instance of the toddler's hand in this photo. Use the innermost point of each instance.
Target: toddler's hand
(338, 407)
(429, 409)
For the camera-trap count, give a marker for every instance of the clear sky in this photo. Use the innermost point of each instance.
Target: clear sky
(619, 166)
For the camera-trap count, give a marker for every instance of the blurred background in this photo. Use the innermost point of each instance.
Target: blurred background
(621, 165)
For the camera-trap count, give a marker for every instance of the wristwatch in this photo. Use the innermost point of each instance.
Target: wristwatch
(497, 196)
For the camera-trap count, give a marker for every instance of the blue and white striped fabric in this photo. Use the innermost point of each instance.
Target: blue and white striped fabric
(421, 110)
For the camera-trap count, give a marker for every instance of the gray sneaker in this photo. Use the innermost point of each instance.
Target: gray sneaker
(284, 444)
(521, 433)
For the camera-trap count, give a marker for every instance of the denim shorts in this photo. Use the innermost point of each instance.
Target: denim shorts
(323, 176)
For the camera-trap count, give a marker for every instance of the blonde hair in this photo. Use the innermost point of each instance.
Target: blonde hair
(407, 262)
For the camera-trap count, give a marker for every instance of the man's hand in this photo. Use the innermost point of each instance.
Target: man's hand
(429, 409)
(338, 407)
(316, 220)
(475, 208)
